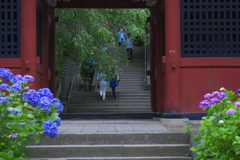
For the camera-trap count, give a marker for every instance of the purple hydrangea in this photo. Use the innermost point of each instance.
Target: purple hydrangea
(7, 74)
(12, 110)
(221, 95)
(214, 100)
(4, 86)
(59, 106)
(45, 103)
(237, 104)
(4, 100)
(50, 129)
(238, 91)
(204, 104)
(214, 93)
(13, 135)
(28, 78)
(231, 111)
(45, 92)
(58, 121)
(208, 95)
(16, 87)
(32, 97)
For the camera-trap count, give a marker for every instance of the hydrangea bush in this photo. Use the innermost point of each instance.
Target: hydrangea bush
(26, 115)
(219, 134)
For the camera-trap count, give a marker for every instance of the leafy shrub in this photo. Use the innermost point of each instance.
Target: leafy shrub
(219, 133)
(25, 115)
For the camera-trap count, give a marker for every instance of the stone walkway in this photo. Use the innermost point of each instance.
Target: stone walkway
(122, 126)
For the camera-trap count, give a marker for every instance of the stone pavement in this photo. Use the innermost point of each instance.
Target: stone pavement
(122, 126)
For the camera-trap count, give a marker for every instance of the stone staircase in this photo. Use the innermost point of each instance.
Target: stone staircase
(131, 94)
(124, 146)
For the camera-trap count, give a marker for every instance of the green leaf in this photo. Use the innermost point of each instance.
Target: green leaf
(23, 133)
(36, 138)
(19, 108)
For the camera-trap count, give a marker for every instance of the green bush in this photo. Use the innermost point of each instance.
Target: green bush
(25, 115)
(219, 134)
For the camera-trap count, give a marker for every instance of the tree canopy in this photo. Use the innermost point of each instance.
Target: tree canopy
(89, 36)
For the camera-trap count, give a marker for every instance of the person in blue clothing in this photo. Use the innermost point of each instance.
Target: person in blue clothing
(121, 37)
(114, 83)
(129, 47)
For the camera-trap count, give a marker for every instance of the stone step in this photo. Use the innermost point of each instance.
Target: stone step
(97, 99)
(121, 138)
(117, 158)
(115, 150)
(109, 111)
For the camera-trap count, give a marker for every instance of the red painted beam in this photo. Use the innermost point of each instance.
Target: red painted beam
(210, 62)
(101, 4)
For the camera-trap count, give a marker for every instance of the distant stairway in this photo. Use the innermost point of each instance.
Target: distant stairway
(131, 94)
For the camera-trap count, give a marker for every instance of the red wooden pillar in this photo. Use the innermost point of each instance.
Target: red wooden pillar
(152, 61)
(172, 40)
(44, 60)
(28, 39)
(53, 68)
(158, 59)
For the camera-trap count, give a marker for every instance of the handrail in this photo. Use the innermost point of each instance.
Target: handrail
(59, 91)
(145, 74)
(68, 97)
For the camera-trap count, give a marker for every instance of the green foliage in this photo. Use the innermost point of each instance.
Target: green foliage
(219, 134)
(188, 129)
(85, 35)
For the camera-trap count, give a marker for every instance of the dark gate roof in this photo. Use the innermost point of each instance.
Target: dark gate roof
(101, 4)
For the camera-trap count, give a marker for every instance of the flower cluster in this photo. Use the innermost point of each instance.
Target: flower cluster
(218, 136)
(212, 98)
(43, 98)
(50, 128)
(25, 114)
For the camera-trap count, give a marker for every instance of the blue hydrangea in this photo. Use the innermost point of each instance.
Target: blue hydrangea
(18, 79)
(7, 74)
(238, 91)
(32, 97)
(4, 100)
(50, 129)
(45, 103)
(59, 106)
(45, 92)
(58, 121)
(4, 86)
(16, 87)
(28, 78)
